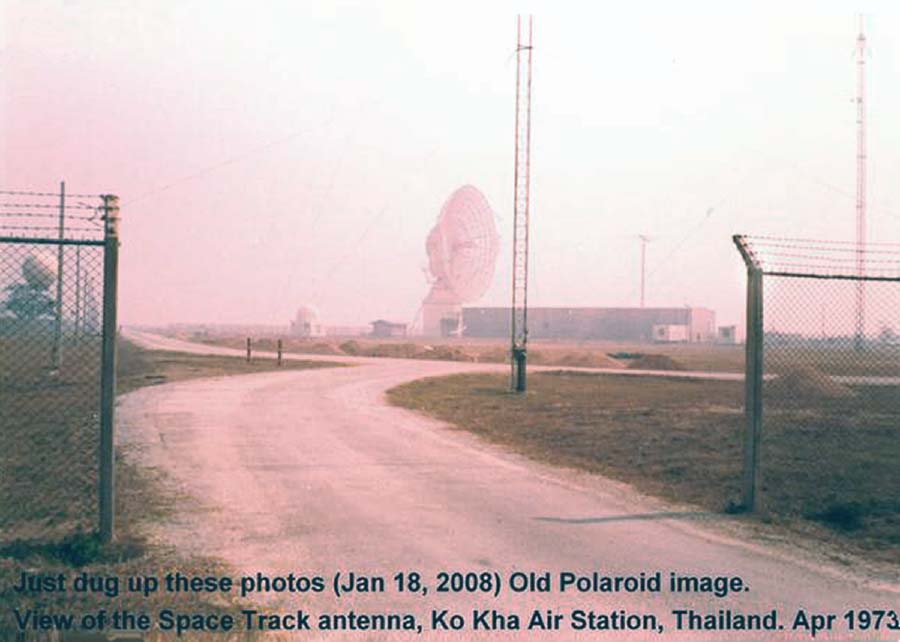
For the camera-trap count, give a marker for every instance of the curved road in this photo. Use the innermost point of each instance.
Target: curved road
(311, 472)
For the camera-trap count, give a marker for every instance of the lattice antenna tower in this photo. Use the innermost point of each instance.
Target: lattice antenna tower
(521, 208)
(860, 185)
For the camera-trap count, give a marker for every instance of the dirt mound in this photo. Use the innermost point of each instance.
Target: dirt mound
(801, 382)
(654, 362)
(492, 355)
(319, 347)
(392, 350)
(583, 360)
(385, 350)
(444, 353)
(350, 347)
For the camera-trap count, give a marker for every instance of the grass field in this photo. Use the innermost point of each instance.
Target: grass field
(839, 359)
(48, 422)
(48, 450)
(138, 368)
(829, 472)
(590, 354)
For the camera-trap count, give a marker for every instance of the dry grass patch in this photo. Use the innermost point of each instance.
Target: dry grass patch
(139, 367)
(829, 473)
(572, 353)
(48, 455)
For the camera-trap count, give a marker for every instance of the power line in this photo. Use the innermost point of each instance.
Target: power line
(235, 159)
(352, 249)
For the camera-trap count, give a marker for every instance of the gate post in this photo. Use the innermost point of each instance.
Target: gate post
(108, 375)
(753, 385)
(753, 377)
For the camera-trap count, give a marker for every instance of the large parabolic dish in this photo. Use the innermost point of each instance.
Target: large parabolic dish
(462, 252)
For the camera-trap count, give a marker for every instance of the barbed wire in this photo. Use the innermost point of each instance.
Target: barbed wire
(48, 215)
(816, 257)
(77, 206)
(829, 269)
(837, 260)
(760, 240)
(49, 228)
(850, 247)
(73, 217)
(56, 194)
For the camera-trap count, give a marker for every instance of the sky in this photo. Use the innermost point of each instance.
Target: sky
(298, 153)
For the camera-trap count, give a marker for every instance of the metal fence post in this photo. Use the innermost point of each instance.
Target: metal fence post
(753, 385)
(57, 326)
(248, 349)
(800, 374)
(753, 374)
(77, 328)
(108, 376)
(279, 352)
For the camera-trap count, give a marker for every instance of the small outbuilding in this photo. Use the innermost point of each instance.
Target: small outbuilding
(385, 329)
(727, 334)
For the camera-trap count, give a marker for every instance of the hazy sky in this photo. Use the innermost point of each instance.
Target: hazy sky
(298, 153)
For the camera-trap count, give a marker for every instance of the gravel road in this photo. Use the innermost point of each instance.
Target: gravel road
(311, 472)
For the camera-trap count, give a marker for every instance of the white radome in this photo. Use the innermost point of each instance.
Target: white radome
(306, 323)
(38, 271)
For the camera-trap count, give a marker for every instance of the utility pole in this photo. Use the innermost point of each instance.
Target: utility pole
(860, 187)
(521, 210)
(56, 357)
(644, 241)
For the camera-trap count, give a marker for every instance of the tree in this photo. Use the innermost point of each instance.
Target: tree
(26, 302)
(887, 335)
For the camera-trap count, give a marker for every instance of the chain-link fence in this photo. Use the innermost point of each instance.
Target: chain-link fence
(57, 327)
(823, 381)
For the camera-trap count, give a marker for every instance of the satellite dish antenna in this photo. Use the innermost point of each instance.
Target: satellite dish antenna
(462, 252)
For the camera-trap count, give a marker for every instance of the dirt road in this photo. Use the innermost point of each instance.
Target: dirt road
(310, 472)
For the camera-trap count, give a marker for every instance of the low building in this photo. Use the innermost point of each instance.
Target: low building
(670, 333)
(386, 329)
(600, 324)
(727, 334)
